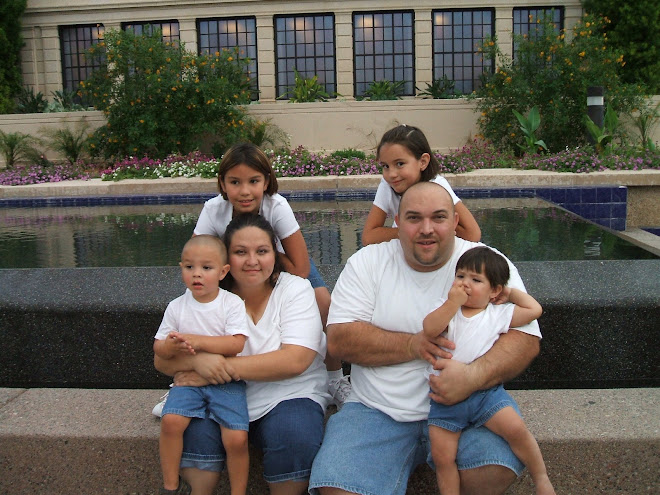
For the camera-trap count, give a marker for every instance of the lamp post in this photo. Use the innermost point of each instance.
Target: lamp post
(595, 107)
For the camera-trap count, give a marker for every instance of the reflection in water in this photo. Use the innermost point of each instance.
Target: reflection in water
(152, 235)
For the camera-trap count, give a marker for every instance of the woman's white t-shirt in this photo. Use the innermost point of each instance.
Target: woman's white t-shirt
(291, 317)
(218, 212)
(388, 200)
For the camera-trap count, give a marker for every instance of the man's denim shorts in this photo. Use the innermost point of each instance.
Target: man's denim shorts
(289, 436)
(473, 411)
(365, 451)
(225, 404)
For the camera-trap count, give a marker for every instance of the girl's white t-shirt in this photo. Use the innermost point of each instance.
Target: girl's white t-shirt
(388, 200)
(291, 317)
(217, 213)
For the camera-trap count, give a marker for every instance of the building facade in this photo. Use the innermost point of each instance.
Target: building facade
(348, 45)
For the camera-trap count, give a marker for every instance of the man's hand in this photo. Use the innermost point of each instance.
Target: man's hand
(422, 347)
(215, 368)
(455, 383)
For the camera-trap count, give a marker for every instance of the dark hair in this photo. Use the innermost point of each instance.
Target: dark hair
(251, 220)
(247, 154)
(484, 260)
(415, 141)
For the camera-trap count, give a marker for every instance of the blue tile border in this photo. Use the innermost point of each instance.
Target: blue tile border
(604, 205)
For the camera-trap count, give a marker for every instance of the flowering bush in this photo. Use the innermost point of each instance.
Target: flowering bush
(551, 73)
(587, 160)
(159, 98)
(194, 164)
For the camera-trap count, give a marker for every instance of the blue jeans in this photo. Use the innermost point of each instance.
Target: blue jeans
(314, 276)
(289, 436)
(365, 451)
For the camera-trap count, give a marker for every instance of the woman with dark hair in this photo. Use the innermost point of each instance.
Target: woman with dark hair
(282, 364)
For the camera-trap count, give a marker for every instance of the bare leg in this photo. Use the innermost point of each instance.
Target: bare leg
(486, 480)
(288, 488)
(333, 491)
(201, 482)
(507, 424)
(323, 301)
(172, 427)
(238, 459)
(444, 445)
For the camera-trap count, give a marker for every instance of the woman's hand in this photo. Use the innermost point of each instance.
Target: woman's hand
(214, 368)
(189, 379)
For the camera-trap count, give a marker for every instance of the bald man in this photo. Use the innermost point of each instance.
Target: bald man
(378, 304)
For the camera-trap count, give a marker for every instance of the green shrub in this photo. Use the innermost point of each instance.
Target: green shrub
(348, 153)
(11, 42)
(16, 147)
(305, 90)
(29, 102)
(553, 75)
(383, 90)
(159, 98)
(442, 88)
(70, 143)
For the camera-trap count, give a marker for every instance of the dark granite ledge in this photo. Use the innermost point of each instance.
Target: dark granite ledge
(94, 327)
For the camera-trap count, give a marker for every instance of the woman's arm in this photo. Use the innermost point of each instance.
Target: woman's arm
(295, 258)
(286, 362)
(374, 230)
(468, 228)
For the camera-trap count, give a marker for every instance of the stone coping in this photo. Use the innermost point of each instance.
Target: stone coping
(490, 178)
(106, 441)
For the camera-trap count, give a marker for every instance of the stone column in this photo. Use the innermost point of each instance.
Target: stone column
(423, 48)
(266, 57)
(344, 55)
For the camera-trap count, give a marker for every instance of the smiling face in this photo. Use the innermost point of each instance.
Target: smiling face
(202, 267)
(427, 226)
(244, 187)
(400, 167)
(251, 257)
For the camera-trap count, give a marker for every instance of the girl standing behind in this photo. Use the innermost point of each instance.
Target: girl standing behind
(406, 158)
(248, 184)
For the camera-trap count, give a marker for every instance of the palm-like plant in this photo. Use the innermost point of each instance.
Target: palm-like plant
(16, 147)
(72, 144)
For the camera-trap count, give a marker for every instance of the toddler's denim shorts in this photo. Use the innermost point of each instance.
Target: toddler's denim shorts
(225, 404)
(289, 436)
(473, 411)
(366, 451)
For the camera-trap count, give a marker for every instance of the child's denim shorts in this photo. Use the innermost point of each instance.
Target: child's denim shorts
(366, 451)
(473, 411)
(289, 436)
(225, 404)
(314, 276)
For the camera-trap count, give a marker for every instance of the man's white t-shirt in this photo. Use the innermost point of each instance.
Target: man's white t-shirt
(388, 200)
(217, 213)
(377, 286)
(225, 315)
(291, 317)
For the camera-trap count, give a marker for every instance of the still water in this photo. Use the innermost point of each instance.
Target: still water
(152, 235)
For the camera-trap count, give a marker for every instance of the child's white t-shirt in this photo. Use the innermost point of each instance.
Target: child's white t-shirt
(225, 315)
(217, 213)
(388, 200)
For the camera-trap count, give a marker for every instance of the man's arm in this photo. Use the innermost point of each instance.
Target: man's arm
(510, 355)
(368, 345)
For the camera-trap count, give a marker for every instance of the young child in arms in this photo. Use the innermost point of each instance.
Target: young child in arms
(474, 323)
(204, 319)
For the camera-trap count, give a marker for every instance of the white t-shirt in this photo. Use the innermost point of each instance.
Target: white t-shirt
(291, 317)
(377, 286)
(388, 200)
(475, 335)
(225, 315)
(217, 213)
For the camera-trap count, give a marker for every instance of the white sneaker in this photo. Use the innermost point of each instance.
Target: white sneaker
(158, 408)
(340, 390)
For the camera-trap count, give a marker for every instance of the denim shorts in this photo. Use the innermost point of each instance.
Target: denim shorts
(314, 276)
(365, 451)
(225, 404)
(473, 411)
(289, 436)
